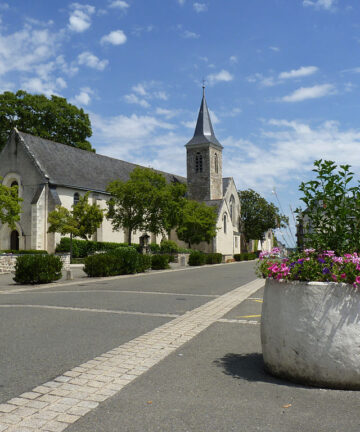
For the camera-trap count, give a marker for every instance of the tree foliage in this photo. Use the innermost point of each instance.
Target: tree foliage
(197, 223)
(10, 207)
(82, 221)
(54, 119)
(144, 203)
(258, 216)
(332, 209)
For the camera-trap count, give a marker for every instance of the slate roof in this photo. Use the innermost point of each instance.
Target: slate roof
(204, 132)
(215, 203)
(69, 166)
(225, 183)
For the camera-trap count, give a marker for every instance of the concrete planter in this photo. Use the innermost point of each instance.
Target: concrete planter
(310, 333)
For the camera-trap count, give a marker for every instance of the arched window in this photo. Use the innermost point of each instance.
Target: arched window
(14, 240)
(216, 161)
(198, 163)
(225, 222)
(76, 198)
(232, 208)
(15, 183)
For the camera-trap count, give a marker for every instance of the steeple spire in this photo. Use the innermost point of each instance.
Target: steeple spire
(204, 132)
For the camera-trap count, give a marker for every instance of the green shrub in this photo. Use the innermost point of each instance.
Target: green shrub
(170, 257)
(184, 250)
(251, 256)
(237, 257)
(168, 246)
(120, 261)
(159, 262)
(197, 258)
(144, 263)
(245, 256)
(24, 252)
(37, 269)
(213, 258)
(154, 248)
(77, 260)
(83, 248)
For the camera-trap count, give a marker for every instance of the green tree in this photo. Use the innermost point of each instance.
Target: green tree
(10, 207)
(82, 221)
(197, 223)
(258, 216)
(54, 119)
(332, 215)
(145, 202)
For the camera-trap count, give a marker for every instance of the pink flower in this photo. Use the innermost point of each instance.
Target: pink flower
(334, 277)
(357, 279)
(343, 275)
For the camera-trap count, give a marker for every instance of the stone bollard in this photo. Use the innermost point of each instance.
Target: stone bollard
(69, 275)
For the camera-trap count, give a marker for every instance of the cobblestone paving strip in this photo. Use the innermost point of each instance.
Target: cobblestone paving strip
(55, 405)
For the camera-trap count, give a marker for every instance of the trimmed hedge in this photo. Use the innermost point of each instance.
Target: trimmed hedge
(168, 246)
(160, 262)
(123, 260)
(24, 252)
(213, 258)
(245, 256)
(154, 248)
(83, 248)
(197, 258)
(37, 269)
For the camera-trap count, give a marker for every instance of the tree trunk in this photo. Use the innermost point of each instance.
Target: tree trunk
(129, 236)
(71, 247)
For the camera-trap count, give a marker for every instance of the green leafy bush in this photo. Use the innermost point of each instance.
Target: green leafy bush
(120, 261)
(144, 263)
(159, 262)
(154, 248)
(168, 246)
(197, 258)
(170, 257)
(24, 252)
(245, 256)
(83, 248)
(213, 258)
(37, 269)
(184, 250)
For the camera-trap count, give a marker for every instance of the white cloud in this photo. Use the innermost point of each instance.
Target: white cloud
(200, 7)
(80, 17)
(127, 138)
(41, 86)
(315, 92)
(160, 95)
(133, 99)
(291, 147)
(119, 4)
(189, 35)
(321, 4)
(233, 59)
(223, 75)
(27, 49)
(274, 48)
(139, 89)
(298, 73)
(168, 114)
(4, 6)
(83, 98)
(88, 59)
(181, 2)
(116, 37)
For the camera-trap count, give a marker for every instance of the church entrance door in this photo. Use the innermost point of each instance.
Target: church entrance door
(14, 240)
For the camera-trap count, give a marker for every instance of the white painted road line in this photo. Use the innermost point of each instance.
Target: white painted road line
(56, 404)
(237, 321)
(117, 292)
(77, 309)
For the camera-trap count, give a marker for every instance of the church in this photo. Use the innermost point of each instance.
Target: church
(49, 174)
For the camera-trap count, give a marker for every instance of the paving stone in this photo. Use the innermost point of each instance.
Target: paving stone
(6, 408)
(67, 418)
(55, 426)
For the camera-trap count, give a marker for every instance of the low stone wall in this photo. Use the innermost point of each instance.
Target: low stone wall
(182, 259)
(8, 261)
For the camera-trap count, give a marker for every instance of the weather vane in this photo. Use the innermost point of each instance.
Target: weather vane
(203, 85)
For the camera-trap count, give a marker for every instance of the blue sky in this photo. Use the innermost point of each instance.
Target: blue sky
(282, 79)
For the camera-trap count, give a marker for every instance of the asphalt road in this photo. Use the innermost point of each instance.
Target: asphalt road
(214, 382)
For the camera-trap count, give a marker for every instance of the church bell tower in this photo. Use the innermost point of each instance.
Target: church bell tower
(204, 159)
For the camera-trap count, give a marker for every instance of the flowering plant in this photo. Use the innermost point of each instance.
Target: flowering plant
(311, 265)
